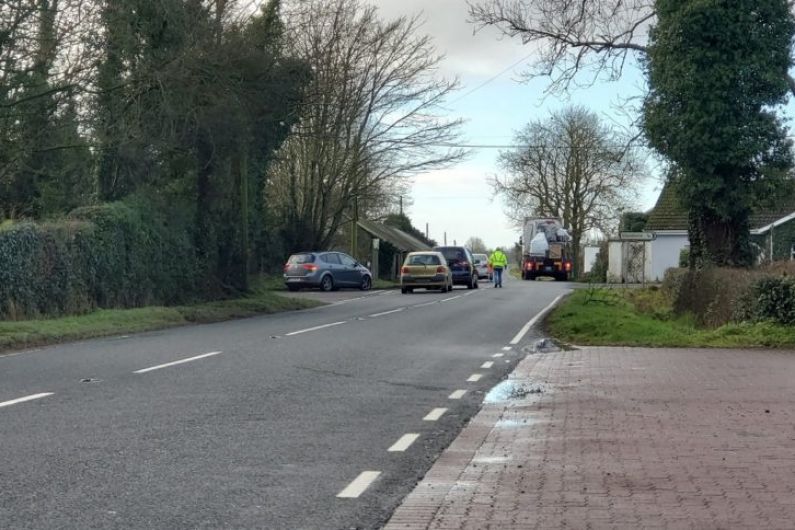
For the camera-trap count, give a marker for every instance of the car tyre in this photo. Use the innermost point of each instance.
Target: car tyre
(292, 288)
(367, 282)
(404, 290)
(327, 283)
(477, 285)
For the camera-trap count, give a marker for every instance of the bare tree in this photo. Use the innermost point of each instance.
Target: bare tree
(476, 245)
(371, 117)
(573, 167)
(575, 36)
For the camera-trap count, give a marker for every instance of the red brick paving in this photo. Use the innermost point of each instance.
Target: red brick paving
(624, 438)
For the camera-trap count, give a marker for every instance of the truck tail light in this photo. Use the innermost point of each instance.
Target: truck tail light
(568, 265)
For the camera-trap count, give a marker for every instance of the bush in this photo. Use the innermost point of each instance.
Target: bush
(774, 299)
(114, 255)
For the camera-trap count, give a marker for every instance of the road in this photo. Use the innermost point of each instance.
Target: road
(324, 418)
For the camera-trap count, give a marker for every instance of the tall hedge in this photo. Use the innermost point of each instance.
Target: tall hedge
(113, 255)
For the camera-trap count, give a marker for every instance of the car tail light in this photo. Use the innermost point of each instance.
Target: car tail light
(310, 267)
(286, 267)
(404, 270)
(439, 270)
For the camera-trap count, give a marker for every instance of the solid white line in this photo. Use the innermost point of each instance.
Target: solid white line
(435, 414)
(507, 348)
(453, 298)
(403, 443)
(458, 394)
(359, 485)
(487, 364)
(474, 378)
(159, 366)
(398, 310)
(532, 322)
(497, 355)
(26, 398)
(313, 329)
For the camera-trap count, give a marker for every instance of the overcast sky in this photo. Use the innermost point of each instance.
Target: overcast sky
(459, 200)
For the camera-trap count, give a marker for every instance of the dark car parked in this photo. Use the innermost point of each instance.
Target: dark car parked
(462, 264)
(326, 270)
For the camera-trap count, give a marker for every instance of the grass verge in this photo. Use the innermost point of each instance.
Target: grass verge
(643, 317)
(30, 333)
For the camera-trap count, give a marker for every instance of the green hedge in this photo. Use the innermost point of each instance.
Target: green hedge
(110, 256)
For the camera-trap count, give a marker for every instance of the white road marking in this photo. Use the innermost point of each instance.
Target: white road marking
(458, 394)
(313, 329)
(359, 485)
(452, 298)
(24, 399)
(159, 366)
(497, 355)
(474, 378)
(532, 321)
(487, 364)
(507, 348)
(398, 310)
(435, 414)
(403, 443)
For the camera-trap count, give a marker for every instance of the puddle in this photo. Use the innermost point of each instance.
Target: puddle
(512, 389)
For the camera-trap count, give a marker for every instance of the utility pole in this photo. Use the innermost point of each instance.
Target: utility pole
(426, 231)
(445, 239)
(401, 205)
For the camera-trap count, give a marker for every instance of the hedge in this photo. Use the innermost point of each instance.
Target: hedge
(115, 255)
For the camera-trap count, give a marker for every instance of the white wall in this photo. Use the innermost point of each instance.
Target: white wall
(615, 262)
(589, 257)
(665, 251)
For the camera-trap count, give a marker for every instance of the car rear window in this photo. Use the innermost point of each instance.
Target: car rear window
(453, 254)
(299, 259)
(424, 259)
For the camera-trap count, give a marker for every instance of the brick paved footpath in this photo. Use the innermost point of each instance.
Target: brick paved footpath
(623, 438)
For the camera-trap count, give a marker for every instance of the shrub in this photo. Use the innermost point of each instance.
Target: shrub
(774, 299)
(113, 255)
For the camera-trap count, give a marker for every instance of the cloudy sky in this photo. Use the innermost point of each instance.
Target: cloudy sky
(459, 200)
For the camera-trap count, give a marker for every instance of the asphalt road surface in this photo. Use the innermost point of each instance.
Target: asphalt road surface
(319, 419)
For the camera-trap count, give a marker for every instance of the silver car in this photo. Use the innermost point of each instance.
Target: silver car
(327, 270)
(482, 266)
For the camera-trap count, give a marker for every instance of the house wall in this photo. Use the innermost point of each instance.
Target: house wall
(665, 250)
(589, 257)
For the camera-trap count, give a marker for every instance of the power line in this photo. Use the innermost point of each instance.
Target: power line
(493, 78)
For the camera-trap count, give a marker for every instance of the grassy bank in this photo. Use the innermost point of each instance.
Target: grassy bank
(29, 333)
(643, 317)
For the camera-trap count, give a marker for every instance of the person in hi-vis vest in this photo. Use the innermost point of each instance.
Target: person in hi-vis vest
(498, 261)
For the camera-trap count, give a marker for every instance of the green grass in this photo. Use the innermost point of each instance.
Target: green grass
(643, 317)
(28, 333)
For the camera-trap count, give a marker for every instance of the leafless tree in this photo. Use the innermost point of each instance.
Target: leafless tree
(573, 167)
(372, 116)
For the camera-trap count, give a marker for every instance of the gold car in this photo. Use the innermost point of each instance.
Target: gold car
(427, 270)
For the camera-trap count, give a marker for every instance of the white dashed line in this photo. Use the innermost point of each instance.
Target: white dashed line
(474, 378)
(398, 310)
(532, 321)
(498, 355)
(507, 348)
(24, 399)
(452, 298)
(458, 394)
(313, 329)
(435, 414)
(359, 485)
(487, 364)
(403, 443)
(159, 366)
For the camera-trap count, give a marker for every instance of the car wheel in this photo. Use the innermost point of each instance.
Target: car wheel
(366, 283)
(476, 282)
(326, 284)
(450, 287)
(292, 288)
(404, 290)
